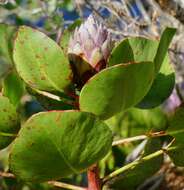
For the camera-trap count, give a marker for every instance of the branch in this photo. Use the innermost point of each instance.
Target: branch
(54, 183)
(65, 185)
(6, 175)
(128, 140)
(137, 138)
(138, 161)
(57, 98)
(132, 165)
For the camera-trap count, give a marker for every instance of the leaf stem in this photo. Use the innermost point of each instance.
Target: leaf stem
(94, 182)
(8, 134)
(55, 97)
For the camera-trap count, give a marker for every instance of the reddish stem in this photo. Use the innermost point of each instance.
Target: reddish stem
(94, 182)
(73, 95)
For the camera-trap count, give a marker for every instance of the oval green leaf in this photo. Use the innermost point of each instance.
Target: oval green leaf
(138, 49)
(161, 88)
(40, 61)
(176, 154)
(116, 88)
(164, 43)
(142, 49)
(13, 88)
(176, 130)
(56, 144)
(6, 38)
(176, 127)
(149, 120)
(135, 49)
(9, 122)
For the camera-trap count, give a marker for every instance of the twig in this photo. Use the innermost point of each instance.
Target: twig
(57, 98)
(7, 175)
(66, 186)
(128, 140)
(54, 183)
(137, 138)
(133, 164)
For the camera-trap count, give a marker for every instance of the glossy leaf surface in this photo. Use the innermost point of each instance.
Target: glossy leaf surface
(136, 49)
(162, 87)
(141, 49)
(116, 88)
(164, 43)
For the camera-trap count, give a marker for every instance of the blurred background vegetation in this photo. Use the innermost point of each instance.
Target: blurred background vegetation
(123, 18)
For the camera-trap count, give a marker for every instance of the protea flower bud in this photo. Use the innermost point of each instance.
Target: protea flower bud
(92, 43)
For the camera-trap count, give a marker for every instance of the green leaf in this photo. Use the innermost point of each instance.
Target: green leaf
(64, 41)
(6, 38)
(40, 61)
(56, 144)
(13, 88)
(162, 87)
(165, 41)
(74, 25)
(149, 120)
(116, 88)
(138, 49)
(137, 175)
(177, 154)
(141, 49)
(4, 68)
(136, 121)
(9, 122)
(176, 127)
(176, 130)
(135, 49)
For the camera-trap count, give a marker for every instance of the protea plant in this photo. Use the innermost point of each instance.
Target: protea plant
(89, 48)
